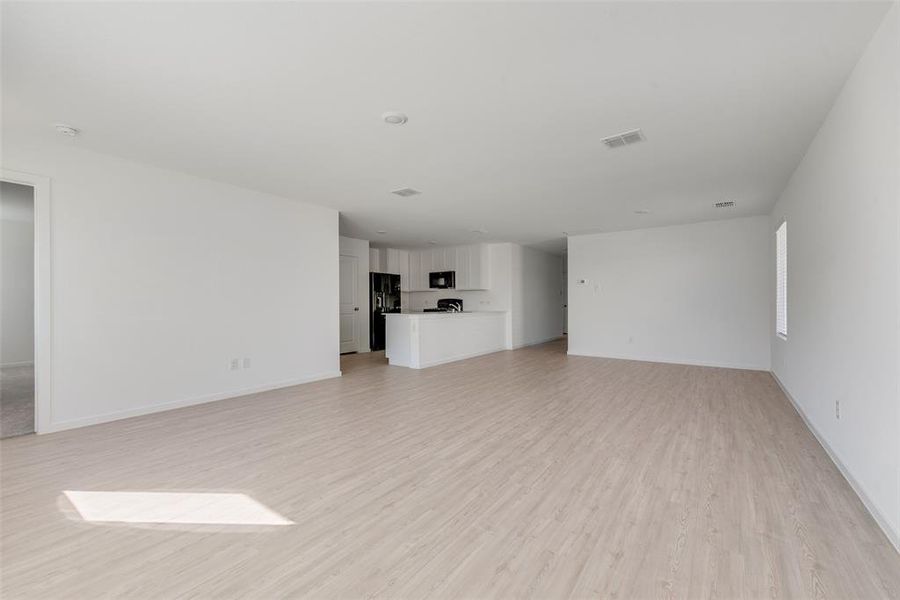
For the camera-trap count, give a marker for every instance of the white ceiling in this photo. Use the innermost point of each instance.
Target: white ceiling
(507, 103)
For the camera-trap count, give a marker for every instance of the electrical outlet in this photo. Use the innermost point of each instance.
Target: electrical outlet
(246, 363)
(837, 409)
(235, 364)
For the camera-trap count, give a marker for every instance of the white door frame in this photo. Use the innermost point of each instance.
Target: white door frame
(43, 380)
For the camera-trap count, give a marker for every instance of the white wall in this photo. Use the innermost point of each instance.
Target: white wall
(695, 294)
(537, 296)
(16, 274)
(843, 253)
(360, 249)
(160, 279)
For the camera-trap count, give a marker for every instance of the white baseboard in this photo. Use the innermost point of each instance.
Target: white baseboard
(146, 410)
(450, 359)
(24, 363)
(543, 341)
(892, 536)
(669, 361)
(443, 361)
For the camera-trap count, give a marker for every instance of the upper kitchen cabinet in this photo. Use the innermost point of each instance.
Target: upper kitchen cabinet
(462, 267)
(478, 267)
(389, 260)
(435, 259)
(450, 262)
(444, 259)
(392, 261)
(395, 262)
(427, 265)
(441, 259)
(403, 262)
(414, 281)
(471, 264)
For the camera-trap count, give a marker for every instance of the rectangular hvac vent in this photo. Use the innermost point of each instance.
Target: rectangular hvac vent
(624, 139)
(405, 192)
(727, 204)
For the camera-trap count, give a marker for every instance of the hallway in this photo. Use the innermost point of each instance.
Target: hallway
(16, 401)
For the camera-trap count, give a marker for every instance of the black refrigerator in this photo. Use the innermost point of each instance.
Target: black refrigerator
(384, 297)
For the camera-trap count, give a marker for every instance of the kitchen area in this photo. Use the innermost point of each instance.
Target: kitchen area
(436, 305)
(425, 306)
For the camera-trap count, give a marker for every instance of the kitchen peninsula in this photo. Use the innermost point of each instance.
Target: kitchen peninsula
(420, 340)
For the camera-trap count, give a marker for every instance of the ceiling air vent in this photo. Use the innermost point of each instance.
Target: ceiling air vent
(726, 204)
(624, 139)
(406, 192)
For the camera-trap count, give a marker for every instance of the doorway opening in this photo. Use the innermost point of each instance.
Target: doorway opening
(17, 302)
(349, 304)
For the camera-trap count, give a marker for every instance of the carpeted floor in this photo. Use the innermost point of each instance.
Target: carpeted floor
(16, 401)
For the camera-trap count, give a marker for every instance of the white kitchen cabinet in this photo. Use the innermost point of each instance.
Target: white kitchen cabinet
(474, 264)
(471, 263)
(441, 259)
(392, 261)
(387, 260)
(403, 259)
(437, 259)
(479, 276)
(473, 267)
(450, 259)
(428, 266)
(462, 267)
(415, 271)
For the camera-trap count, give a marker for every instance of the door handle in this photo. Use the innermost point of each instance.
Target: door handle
(356, 308)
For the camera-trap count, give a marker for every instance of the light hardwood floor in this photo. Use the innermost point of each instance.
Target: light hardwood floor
(514, 475)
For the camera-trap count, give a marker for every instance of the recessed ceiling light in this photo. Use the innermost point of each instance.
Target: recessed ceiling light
(642, 211)
(432, 242)
(394, 118)
(382, 231)
(66, 129)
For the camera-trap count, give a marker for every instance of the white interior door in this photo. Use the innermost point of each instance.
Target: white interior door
(564, 292)
(349, 299)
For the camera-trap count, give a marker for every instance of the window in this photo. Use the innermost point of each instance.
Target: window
(781, 280)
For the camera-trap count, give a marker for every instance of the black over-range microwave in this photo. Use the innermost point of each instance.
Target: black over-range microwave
(442, 280)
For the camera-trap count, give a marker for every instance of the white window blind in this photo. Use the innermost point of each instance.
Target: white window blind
(781, 284)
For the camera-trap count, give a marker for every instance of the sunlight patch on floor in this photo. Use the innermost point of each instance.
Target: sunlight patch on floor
(195, 508)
